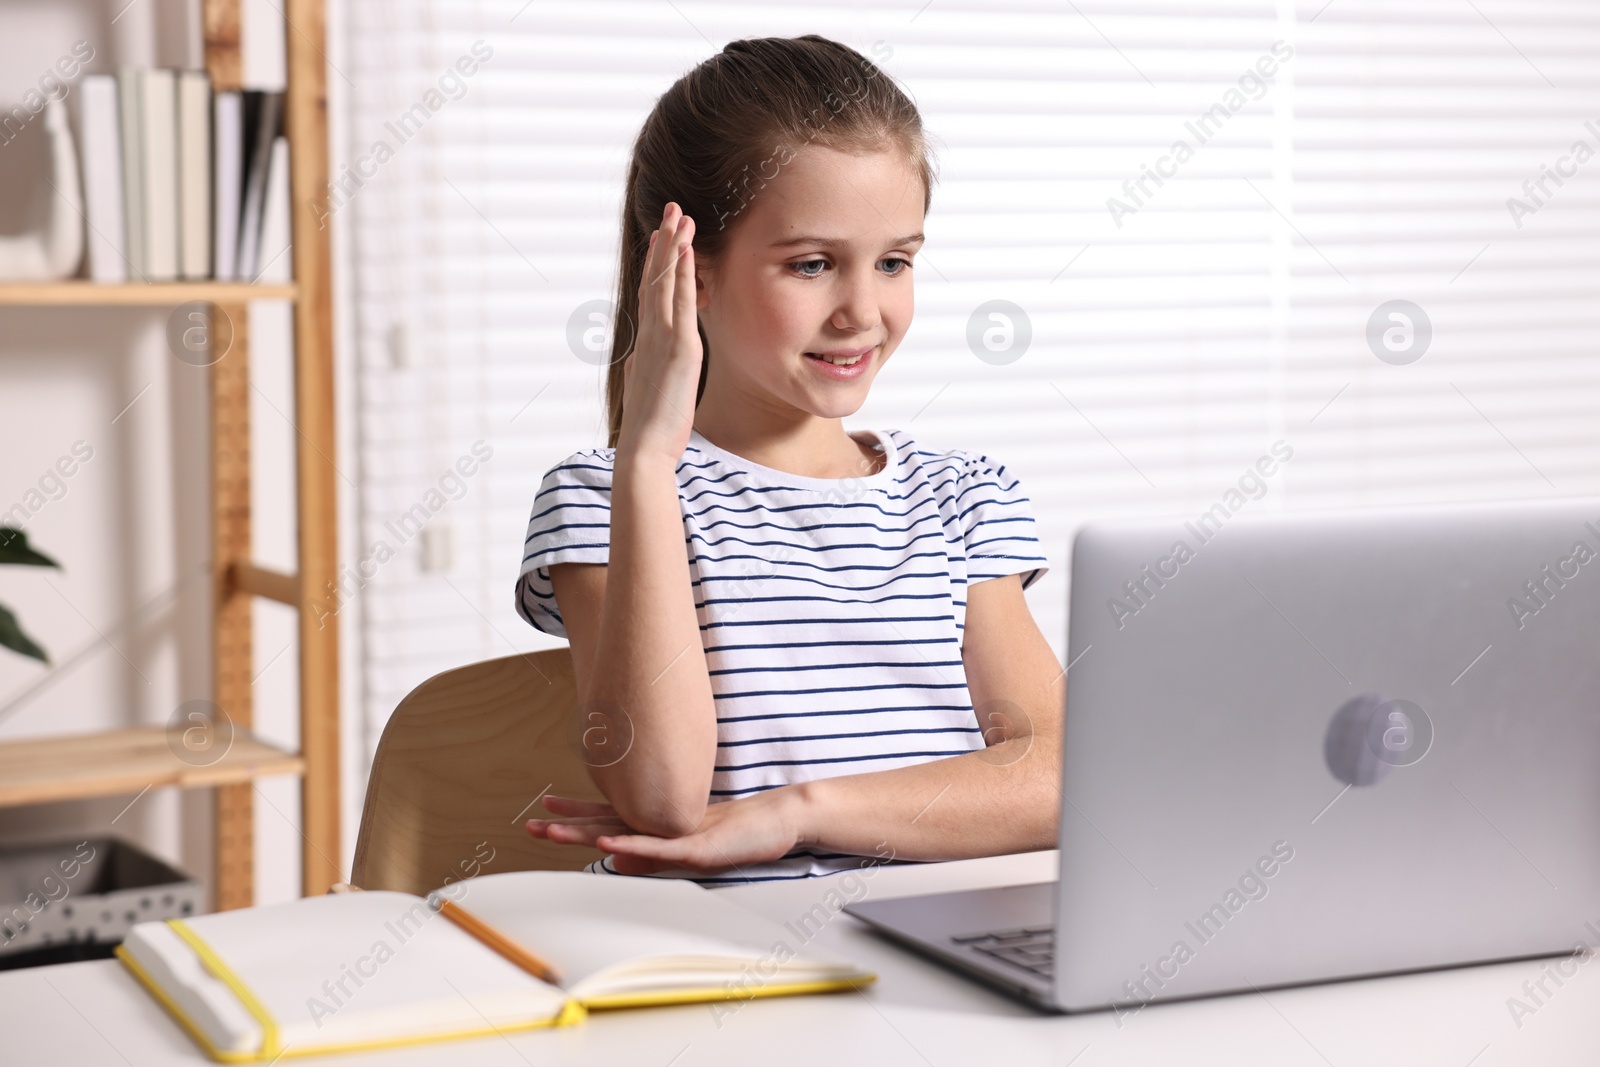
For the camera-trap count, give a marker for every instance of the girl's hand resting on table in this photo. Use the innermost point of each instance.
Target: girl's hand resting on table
(748, 830)
(661, 373)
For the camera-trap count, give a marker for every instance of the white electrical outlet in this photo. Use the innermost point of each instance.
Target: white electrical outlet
(400, 346)
(438, 546)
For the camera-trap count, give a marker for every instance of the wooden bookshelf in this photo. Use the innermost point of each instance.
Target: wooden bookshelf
(80, 293)
(126, 761)
(132, 760)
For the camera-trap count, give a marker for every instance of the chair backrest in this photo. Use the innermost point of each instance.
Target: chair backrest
(457, 771)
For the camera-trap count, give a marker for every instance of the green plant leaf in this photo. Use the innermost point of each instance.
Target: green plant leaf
(14, 549)
(12, 637)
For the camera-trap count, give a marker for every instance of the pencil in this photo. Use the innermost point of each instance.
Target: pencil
(499, 942)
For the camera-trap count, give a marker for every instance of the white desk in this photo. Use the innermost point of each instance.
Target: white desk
(915, 1013)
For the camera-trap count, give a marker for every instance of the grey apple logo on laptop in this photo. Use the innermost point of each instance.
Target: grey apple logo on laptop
(1372, 733)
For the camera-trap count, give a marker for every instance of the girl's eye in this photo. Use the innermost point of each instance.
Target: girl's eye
(893, 266)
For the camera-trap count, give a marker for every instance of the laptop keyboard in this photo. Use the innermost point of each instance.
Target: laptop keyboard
(1033, 948)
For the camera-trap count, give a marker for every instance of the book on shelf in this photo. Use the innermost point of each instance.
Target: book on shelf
(179, 180)
(496, 953)
(263, 122)
(158, 176)
(273, 260)
(194, 175)
(128, 95)
(228, 145)
(102, 179)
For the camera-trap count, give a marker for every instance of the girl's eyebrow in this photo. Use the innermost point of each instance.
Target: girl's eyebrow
(831, 242)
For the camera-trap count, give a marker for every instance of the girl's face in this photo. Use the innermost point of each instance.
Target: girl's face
(819, 261)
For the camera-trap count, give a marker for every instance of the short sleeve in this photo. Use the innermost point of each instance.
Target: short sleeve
(997, 523)
(571, 523)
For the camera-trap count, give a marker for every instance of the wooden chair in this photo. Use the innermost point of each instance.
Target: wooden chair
(457, 771)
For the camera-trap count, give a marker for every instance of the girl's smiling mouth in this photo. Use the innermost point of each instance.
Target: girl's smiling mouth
(843, 363)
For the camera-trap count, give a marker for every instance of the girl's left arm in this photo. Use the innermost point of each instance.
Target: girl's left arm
(1000, 799)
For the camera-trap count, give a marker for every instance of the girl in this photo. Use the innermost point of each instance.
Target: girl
(795, 646)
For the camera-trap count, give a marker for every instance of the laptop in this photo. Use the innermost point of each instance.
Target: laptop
(1303, 747)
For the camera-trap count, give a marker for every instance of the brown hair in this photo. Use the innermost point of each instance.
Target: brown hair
(720, 133)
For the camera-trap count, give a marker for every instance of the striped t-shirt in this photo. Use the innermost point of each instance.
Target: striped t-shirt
(831, 610)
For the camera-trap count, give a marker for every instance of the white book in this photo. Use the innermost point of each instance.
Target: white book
(194, 175)
(228, 184)
(495, 953)
(158, 123)
(275, 261)
(130, 86)
(99, 134)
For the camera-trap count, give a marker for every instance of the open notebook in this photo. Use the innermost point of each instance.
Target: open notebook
(363, 970)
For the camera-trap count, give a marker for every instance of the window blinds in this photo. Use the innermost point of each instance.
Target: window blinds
(1202, 219)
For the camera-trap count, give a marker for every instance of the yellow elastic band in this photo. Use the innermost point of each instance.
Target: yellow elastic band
(709, 995)
(269, 1026)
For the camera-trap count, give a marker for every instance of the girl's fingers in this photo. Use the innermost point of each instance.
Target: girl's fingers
(664, 274)
(652, 267)
(574, 832)
(646, 309)
(626, 864)
(660, 239)
(640, 844)
(573, 806)
(585, 820)
(569, 834)
(605, 823)
(683, 303)
(666, 294)
(668, 852)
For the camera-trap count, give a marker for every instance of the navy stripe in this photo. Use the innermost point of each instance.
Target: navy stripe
(831, 644)
(826, 585)
(743, 792)
(841, 759)
(836, 622)
(821, 567)
(866, 733)
(837, 689)
(867, 545)
(804, 507)
(725, 719)
(563, 548)
(709, 601)
(833, 666)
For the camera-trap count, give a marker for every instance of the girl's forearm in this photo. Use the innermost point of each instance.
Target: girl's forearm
(650, 675)
(998, 800)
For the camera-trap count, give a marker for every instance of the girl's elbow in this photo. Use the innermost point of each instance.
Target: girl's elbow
(670, 818)
(652, 807)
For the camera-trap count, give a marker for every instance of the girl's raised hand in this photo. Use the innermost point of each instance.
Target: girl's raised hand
(662, 372)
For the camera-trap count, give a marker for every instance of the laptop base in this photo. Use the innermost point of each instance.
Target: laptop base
(931, 925)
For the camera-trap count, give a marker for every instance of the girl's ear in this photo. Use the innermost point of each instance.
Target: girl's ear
(703, 280)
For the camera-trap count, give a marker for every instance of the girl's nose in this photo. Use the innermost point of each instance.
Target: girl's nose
(857, 309)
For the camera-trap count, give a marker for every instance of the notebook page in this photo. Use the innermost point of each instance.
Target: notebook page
(591, 928)
(358, 967)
